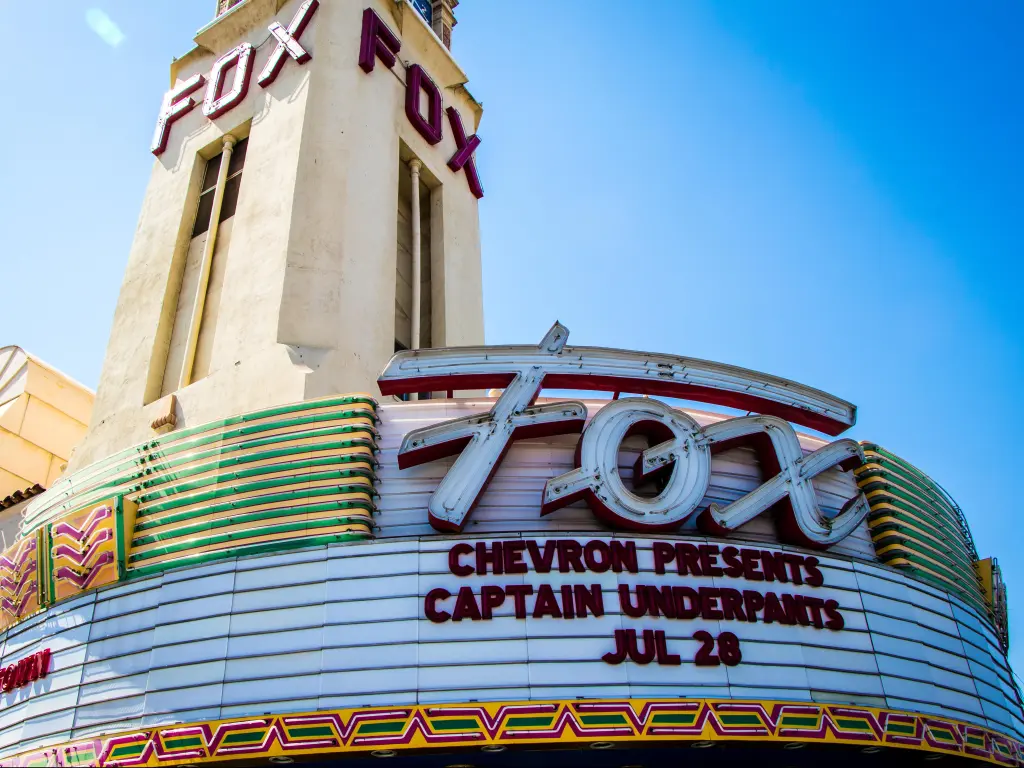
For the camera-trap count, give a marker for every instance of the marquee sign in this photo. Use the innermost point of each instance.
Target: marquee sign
(679, 456)
(672, 601)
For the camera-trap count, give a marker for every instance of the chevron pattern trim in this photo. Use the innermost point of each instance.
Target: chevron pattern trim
(292, 476)
(19, 581)
(630, 722)
(82, 551)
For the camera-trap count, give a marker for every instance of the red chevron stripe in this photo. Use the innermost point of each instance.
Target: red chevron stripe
(225, 728)
(28, 549)
(904, 720)
(79, 556)
(877, 728)
(25, 575)
(418, 723)
(128, 738)
(640, 720)
(566, 720)
(493, 725)
(83, 582)
(17, 608)
(346, 730)
(98, 515)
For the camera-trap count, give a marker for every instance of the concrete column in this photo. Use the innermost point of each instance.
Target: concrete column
(196, 319)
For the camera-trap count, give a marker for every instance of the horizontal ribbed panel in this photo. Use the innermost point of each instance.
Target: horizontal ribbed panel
(293, 476)
(201, 453)
(916, 527)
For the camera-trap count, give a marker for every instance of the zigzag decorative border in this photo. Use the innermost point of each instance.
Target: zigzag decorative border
(19, 581)
(82, 550)
(625, 721)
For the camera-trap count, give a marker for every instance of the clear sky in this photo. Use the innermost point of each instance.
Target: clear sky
(832, 192)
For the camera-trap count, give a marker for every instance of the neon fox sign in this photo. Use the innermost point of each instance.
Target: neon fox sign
(227, 85)
(679, 458)
(236, 65)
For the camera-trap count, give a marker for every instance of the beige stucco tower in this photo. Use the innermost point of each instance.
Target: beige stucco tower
(274, 258)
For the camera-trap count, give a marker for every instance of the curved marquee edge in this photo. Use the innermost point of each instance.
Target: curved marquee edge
(130, 464)
(616, 370)
(628, 722)
(280, 478)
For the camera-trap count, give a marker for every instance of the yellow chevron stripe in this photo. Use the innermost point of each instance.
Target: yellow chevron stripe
(298, 507)
(200, 506)
(293, 514)
(291, 535)
(157, 479)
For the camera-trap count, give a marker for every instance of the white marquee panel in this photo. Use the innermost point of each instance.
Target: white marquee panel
(343, 626)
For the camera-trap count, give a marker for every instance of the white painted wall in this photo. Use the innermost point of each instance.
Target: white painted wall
(403, 266)
(305, 305)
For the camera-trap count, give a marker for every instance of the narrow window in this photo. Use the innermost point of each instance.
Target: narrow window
(231, 188)
(404, 262)
(200, 281)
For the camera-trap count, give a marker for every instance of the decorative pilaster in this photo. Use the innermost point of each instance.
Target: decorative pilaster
(443, 20)
(223, 6)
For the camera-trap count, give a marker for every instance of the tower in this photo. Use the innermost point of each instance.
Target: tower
(315, 161)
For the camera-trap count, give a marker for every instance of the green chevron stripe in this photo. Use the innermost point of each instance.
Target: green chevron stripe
(142, 469)
(922, 479)
(130, 458)
(909, 520)
(253, 517)
(241, 536)
(273, 498)
(896, 491)
(245, 550)
(258, 485)
(250, 458)
(925, 544)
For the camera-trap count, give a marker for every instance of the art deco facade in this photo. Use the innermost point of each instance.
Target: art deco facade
(313, 519)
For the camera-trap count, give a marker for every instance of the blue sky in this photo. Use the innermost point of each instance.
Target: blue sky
(825, 191)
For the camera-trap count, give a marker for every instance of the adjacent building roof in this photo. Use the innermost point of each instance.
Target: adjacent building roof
(43, 416)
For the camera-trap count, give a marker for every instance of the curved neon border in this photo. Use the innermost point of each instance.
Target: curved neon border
(616, 370)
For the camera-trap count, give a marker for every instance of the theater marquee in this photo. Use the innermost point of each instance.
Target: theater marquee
(236, 574)
(740, 598)
(571, 557)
